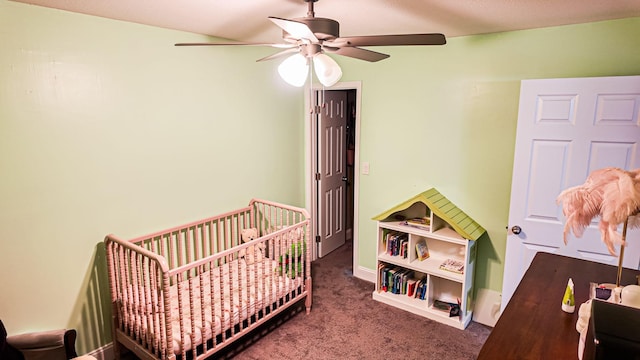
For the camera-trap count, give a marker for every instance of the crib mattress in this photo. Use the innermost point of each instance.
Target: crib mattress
(216, 306)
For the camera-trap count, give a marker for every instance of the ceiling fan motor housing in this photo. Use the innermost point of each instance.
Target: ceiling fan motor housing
(322, 28)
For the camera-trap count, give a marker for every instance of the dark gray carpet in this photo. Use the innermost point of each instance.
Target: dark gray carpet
(346, 323)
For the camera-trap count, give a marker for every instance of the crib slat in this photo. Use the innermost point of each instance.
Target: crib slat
(233, 289)
(179, 282)
(192, 311)
(186, 234)
(223, 293)
(144, 300)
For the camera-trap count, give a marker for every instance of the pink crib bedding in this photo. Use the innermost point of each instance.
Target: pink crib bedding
(248, 289)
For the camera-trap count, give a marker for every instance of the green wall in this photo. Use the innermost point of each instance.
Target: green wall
(105, 127)
(445, 117)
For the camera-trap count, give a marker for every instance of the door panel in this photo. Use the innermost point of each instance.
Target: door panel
(332, 131)
(567, 128)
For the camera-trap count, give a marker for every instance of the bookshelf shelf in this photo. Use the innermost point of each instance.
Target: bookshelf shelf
(400, 268)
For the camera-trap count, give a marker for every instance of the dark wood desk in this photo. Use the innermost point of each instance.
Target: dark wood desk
(533, 326)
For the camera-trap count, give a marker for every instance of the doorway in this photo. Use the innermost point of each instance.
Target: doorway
(333, 208)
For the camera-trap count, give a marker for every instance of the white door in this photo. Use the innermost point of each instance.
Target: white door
(567, 128)
(332, 127)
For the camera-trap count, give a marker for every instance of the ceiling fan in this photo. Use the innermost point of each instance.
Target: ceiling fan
(310, 37)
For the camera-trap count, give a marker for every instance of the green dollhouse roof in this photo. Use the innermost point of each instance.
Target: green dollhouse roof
(444, 209)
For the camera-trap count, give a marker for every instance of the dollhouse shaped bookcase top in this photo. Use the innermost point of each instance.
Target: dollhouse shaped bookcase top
(426, 249)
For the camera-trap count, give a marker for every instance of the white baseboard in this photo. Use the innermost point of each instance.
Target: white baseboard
(365, 274)
(486, 309)
(103, 353)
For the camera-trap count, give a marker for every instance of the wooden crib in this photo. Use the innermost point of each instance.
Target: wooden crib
(189, 291)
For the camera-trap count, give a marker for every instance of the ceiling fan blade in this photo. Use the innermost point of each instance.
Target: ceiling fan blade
(295, 28)
(390, 40)
(357, 53)
(280, 46)
(279, 54)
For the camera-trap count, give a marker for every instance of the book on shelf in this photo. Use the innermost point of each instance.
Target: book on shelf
(422, 250)
(411, 287)
(397, 244)
(400, 279)
(421, 289)
(386, 273)
(397, 280)
(453, 265)
(382, 280)
(391, 274)
(423, 223)
(452, 308)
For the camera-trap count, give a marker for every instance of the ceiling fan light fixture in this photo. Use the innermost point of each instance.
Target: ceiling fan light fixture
(327, 70)
(294, 70)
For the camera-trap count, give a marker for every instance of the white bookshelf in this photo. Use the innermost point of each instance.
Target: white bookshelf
(443, 243)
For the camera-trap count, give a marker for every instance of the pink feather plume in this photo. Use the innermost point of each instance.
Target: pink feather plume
(612, 194)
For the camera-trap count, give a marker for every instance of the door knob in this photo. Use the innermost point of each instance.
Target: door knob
(516, 229)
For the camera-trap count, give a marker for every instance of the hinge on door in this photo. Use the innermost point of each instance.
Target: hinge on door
(317, 176)
(317, 238)
(316, 109)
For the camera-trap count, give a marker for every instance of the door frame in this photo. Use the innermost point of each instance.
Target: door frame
(311, 151)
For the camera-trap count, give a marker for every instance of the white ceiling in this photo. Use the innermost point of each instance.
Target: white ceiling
(246, 20)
